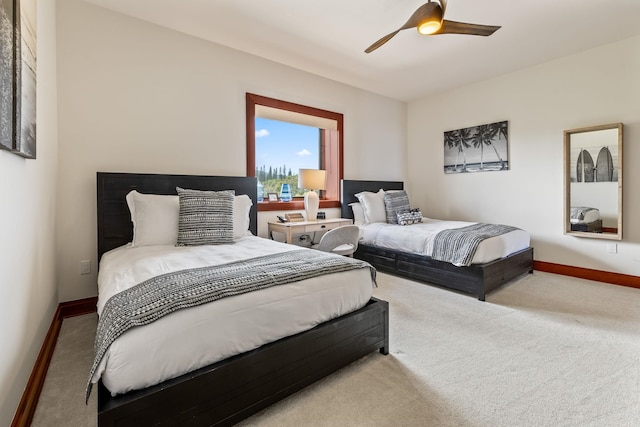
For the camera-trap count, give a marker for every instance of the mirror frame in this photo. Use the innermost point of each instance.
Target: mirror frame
(567, 182)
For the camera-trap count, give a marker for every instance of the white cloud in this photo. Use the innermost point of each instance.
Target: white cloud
(261, 133)
(304, 152)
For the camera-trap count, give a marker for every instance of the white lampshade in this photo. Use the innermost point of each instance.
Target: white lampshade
(312, 179)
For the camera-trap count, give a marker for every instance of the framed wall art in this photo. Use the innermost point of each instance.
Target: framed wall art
(479, 148)
(7, 74)
(18, 77)
(25, 105)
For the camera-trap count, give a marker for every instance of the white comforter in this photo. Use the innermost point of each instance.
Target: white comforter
(418, 238)
(192, 338)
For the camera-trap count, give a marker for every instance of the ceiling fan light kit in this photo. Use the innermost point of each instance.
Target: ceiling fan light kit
(429, 27)
(428, 19)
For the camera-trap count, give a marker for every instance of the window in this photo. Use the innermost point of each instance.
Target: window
(282, 148)
(321, 128)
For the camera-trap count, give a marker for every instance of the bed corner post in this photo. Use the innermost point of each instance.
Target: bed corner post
(385, 348)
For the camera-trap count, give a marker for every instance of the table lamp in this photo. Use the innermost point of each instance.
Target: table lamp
(312, 179)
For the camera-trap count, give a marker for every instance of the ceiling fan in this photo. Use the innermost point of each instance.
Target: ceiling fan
(428, 20)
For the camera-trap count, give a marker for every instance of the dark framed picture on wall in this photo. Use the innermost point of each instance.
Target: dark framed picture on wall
(7, 74)
(26, 72)
(479, 148)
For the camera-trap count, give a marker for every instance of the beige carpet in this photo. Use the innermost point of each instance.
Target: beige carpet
(546, 350)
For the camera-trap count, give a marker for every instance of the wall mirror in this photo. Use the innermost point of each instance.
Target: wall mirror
(593, 181)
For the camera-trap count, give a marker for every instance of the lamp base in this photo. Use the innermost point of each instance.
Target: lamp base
(311, 204)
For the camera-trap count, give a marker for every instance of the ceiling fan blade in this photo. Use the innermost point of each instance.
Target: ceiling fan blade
(381, 42)
(453, 27)
(424, 11)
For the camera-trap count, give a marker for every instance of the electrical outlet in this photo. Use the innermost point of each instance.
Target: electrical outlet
(612, 248)
(85, 266)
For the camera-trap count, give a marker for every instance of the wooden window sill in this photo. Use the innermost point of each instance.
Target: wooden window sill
(294, 205)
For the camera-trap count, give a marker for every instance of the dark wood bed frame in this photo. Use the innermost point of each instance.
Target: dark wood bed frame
(593, 227)
(477, 279)
(233, 389)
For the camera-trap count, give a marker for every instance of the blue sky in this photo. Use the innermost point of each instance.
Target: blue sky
(281, 143)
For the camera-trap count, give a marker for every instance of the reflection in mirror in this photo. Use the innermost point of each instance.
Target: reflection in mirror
(593, 181)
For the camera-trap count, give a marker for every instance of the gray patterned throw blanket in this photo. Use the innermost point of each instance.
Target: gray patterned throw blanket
(164, 294)
(459, 245)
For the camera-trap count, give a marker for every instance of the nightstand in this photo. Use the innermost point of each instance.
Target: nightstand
(302, 227)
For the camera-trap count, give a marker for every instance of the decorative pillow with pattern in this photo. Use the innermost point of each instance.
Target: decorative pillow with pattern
(414, 216)
(395, 202)
(206, 217)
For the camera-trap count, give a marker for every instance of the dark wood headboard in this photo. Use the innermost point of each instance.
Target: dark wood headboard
(114, 221)
(351, 187)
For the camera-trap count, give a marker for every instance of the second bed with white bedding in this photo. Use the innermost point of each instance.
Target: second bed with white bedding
(192, 338)
(418, 238)
(408, 250)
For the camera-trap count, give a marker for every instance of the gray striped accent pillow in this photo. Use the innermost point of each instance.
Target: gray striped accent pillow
(205, 218)
(395, 202)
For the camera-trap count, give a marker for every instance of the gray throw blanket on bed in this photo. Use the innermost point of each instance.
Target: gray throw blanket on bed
(164, 294)
(459, 245)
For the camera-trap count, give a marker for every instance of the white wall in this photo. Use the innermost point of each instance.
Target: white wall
(595, 87)
(135, 97)
(28, 295)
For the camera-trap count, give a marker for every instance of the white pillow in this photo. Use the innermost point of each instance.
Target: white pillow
(373, 206)
(155, 218)
(241, 208)
(358, 214)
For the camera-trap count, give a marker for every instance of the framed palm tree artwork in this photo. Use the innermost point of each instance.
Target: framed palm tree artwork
(479, 148)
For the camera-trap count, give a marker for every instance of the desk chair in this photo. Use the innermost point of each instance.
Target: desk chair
(342, 240)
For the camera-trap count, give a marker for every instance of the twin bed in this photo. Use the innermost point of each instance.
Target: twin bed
(497, 261)
(222, 361)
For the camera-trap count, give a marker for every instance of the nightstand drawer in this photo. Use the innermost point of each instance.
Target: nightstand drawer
(319, 227)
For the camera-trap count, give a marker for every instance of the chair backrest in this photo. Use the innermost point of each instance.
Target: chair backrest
(347, 235)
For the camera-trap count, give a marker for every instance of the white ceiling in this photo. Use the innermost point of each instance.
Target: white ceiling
(328, 37)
